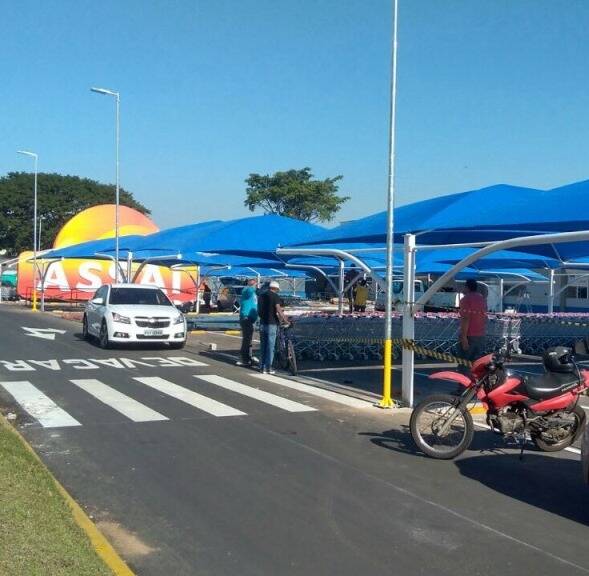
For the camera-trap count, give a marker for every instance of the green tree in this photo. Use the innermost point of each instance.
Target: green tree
(294, 193)
(58, 199)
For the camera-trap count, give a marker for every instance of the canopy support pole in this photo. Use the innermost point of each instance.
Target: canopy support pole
(408, 367)
(335, 253)
(315, 269)
(341, 287)
(501, 288)
(197, 284)
(129, 266)
(44, 273)
(551, 291)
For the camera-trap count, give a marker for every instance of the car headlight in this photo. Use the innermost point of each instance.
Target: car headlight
(121, 319)
(179, 320)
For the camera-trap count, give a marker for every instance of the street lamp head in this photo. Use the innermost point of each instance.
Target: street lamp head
(104, 91)
(27, 153)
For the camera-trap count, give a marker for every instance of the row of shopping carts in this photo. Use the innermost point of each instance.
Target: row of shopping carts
(360, 337)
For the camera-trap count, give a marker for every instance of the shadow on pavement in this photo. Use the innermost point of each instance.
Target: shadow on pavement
(396, 439)
(399, 440)
(550, 483)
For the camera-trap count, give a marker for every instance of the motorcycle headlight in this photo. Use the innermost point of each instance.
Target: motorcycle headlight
(121, 319)
(179, 320)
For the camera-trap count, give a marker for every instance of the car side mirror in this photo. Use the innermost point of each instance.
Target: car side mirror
(98, 301)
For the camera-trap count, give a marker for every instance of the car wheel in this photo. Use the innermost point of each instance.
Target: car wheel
(177, 345)
(85, 333)
(103, 338)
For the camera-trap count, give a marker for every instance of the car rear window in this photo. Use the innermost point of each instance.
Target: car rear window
(138, 296)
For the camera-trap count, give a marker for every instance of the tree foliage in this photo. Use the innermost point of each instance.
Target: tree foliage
(59, 198)
(294, 193)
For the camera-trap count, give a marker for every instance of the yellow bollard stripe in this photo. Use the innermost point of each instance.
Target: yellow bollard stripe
(387, 400)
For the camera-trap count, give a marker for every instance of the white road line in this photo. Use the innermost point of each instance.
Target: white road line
(38, 405)
(193, 398)
(568, 449)
(118, 401)
(315, 391)
(255, 393)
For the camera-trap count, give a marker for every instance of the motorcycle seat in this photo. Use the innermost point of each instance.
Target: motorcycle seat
(549, 385)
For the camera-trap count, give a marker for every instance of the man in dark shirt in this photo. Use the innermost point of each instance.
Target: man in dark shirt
(271, 315)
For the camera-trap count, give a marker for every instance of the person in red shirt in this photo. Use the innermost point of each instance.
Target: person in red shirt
(473, 322)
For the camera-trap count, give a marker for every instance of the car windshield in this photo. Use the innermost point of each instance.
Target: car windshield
(139, 296)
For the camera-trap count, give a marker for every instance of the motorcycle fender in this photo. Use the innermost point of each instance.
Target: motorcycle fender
(558, 403)
(453, 377)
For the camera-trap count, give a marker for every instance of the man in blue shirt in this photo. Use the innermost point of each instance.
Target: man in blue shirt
(248, 314)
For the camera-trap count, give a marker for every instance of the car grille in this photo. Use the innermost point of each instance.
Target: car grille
(160, 337)
(145, 322)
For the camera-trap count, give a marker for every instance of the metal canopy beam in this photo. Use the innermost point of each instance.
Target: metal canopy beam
(558, 238)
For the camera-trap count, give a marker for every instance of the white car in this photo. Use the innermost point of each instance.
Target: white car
(121, 313)
(585, 455)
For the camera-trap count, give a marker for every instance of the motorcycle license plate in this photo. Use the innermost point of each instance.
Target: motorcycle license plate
(154, 332)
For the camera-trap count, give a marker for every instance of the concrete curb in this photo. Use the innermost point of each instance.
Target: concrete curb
(227, 332)
(98, 541)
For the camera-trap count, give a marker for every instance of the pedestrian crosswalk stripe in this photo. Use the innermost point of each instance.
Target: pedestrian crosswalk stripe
(38, 405)
(189, 397)
(255, 393)
(118, 401)
(315, 391)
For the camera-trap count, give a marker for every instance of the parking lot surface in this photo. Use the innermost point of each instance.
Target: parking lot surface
(191, 465)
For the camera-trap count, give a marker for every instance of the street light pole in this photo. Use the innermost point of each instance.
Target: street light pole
(117, 97)
(387, 400)
(35, 158)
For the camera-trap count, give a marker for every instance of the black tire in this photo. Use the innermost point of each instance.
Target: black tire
(464, 437)
(548, 446)
(292, 358)
(85, 333)
(281, 359)
(103, 339)
(177, 345)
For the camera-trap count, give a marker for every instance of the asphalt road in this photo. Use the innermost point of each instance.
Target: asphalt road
(193, 466)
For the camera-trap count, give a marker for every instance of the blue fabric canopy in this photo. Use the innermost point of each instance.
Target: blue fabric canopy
(90, 250)
(255, 236)
(489, 214)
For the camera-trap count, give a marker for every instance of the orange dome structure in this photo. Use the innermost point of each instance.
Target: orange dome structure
(98, 222)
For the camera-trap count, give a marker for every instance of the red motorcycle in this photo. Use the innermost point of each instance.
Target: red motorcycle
(542, 408)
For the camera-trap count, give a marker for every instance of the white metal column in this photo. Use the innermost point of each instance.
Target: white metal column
(551, 291)
(198, 282)
(408, 380)
(501, 288)
(340, 301)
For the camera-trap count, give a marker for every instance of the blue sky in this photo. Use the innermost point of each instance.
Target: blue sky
(490, 91)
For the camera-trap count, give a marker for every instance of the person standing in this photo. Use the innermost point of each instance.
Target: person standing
(473, 322)
(361, 296)
(271, 315)
(248, 315)
(349, 279)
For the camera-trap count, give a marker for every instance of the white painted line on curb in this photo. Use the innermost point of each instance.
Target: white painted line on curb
(38, 405)
(261, 395)
(118, 401)
(315, 391)
(189, 397)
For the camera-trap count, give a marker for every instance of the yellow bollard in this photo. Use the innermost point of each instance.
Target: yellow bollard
(387, 400)
(34, 309)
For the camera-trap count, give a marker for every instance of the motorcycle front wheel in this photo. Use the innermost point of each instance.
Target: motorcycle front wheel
(440, 427)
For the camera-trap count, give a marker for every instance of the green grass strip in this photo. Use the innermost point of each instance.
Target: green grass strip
(38, 535)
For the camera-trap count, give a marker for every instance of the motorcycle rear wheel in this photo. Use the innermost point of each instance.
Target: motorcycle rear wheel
(427, 419)
(548, 446)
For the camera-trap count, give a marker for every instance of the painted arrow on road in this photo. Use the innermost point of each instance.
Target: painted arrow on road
(45, 333)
